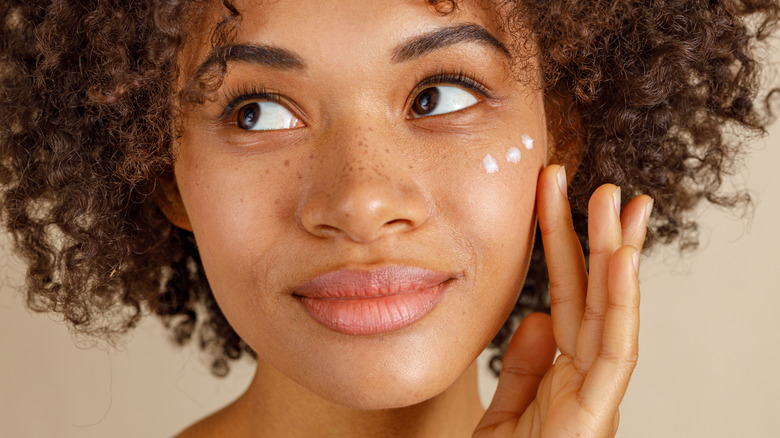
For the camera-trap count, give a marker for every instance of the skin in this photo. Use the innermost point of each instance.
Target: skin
(360, 183)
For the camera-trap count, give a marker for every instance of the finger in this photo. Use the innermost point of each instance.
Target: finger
(565, 261)
(615, 424)
(528, 357)
(608, 376)
(634, 219)
(605, 236)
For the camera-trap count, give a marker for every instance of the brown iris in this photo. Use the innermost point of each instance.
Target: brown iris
(247, 116)
(426, 101)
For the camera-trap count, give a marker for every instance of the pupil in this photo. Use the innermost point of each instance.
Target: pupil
(426, 101)
(248, 115)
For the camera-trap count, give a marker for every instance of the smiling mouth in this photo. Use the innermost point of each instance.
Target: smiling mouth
(370, 302)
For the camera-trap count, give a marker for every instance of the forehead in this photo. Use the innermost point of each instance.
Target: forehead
(336, 32)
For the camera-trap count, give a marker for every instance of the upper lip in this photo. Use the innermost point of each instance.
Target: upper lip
(353, 283)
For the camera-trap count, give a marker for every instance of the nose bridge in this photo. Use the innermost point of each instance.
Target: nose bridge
(354, 167)
(361, 188)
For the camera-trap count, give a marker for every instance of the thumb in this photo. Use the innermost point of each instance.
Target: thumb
(528, 357)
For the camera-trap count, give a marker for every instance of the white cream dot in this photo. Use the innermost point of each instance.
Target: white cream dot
(489, 163)
(528, 142)
(513, 155)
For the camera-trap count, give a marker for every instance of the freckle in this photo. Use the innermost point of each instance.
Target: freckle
(370, 128)
(286, 163)
(387, 150)
(361, 168)
(241, 200)
(311, 156)
(300, 176)
(277, 201)
(267, 171)
(347, 215)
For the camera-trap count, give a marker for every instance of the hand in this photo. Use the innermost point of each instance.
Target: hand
(594, 323)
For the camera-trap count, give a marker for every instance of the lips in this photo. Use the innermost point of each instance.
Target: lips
(358, 302)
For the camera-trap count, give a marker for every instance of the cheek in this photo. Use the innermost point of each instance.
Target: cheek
(503, 217)
(235, 223)
(500, 208)
(492, 192)
(494, 215)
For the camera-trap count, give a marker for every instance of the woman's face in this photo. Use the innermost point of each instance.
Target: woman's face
(350, 226)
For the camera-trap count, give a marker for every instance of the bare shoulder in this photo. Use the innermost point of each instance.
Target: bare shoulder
(203, 428)
(194, 431)
(218, 424)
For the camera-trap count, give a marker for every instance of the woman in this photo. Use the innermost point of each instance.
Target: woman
(361, 195)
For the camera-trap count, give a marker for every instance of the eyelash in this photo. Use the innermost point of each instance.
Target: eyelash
(243, 93)
(465, 79)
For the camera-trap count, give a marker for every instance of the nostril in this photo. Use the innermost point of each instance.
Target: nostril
(397, 224)
(327, 230)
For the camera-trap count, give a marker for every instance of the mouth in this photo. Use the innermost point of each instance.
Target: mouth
(358, 302)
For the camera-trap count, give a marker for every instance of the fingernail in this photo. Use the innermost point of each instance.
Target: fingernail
(562, 180)
(649, 211)
(616, 198)
(636, 261)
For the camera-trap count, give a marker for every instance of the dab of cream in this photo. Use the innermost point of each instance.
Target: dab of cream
(528, 142)
(513, 155)
(489, 163)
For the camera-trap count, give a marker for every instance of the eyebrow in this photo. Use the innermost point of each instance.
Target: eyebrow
(418, 46)
(261, 54)
(415, 47)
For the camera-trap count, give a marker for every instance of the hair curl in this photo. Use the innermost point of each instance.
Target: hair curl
(653, 91)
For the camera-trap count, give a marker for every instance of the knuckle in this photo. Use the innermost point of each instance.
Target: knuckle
(563, 360)
(556, 225)
(550, 228)
(521, 370)
(620, 307)
(593, 313)
(563, 293)
(604, 251)
(626, 360)
(580, 366)
(586, 407)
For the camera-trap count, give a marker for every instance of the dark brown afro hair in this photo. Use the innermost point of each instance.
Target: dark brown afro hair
(661, 96)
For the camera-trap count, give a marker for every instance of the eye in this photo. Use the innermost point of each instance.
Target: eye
(441, 100)
(265, 116)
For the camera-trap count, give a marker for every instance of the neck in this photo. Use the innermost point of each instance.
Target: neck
(276, 406)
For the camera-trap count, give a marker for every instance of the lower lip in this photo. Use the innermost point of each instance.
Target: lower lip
(372, 315)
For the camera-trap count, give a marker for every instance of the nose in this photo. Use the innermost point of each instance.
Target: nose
(361, 190)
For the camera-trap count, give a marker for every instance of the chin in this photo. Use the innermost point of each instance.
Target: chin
(390, 392)
(390, 373)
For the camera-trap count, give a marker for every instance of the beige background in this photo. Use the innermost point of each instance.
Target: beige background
(709, 365)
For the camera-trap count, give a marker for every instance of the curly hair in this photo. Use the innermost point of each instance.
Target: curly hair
(654, 92)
